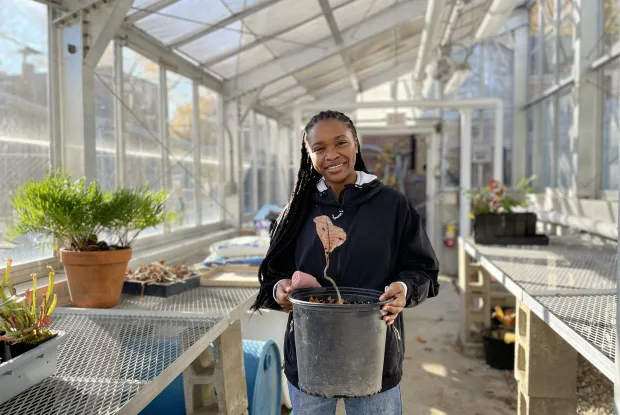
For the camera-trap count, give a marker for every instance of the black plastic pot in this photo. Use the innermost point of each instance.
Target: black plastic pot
(507, 229)
(4, 351)
(498, 354)
(340, 347)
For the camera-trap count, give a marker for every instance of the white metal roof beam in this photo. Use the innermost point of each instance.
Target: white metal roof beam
(147, 11)
(306, 57)
(434, 10)
(263, 39)
(333, 27)
(248, 11)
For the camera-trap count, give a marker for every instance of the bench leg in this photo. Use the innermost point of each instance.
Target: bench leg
(475, 304)
(215, 382)
(545, 368)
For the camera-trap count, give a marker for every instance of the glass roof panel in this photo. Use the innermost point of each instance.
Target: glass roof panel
(286, 96)
(302, 100)
(339, 85)
(140, 4)
(326, 79)
(278, 86)
(377, 67)
(239, 5)
(219, 42)
(354, 13)
(182, 18)
(242, 62)
(336, 3)
(282, 15)
(306, 35)
(326, 65)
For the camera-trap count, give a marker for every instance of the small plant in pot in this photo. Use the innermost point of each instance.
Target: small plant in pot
(93, 230)
(499, 213)
(25, 320)
(328, 322)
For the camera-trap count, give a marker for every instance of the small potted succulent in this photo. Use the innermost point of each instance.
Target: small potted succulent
(500, 216)
(93, 230)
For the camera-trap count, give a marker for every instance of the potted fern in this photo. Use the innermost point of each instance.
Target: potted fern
(92, 230)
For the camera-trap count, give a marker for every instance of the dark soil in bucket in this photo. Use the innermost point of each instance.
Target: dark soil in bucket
(339, 348)
(331, 300)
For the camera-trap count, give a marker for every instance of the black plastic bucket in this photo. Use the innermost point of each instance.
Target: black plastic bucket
(340, 347)
(497, 353)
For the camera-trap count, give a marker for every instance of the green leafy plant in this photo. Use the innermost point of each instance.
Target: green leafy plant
(23, 321)
(76, 213)
(496, 198)
(131, 211)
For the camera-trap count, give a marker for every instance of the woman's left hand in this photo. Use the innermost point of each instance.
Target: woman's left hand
(397, 291)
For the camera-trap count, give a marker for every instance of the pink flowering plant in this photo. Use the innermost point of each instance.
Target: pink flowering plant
(496, 198)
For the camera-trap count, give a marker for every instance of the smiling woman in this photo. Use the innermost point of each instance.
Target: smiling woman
(382, 247)
(333, 152)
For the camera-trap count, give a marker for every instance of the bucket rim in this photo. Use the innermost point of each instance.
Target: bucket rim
(344, 290)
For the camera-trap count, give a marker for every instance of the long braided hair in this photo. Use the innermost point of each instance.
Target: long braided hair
(279, 259)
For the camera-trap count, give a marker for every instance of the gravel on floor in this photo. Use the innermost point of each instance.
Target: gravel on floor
(595, 393)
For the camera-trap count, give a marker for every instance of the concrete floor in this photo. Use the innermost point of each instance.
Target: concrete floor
(437, 379)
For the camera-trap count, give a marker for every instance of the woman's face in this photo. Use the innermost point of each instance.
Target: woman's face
(333, 150)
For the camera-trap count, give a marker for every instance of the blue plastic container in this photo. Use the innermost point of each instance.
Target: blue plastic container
(263, 382)
(263, 376)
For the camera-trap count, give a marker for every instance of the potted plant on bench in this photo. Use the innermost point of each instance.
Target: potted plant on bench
(24, 321)
(30, 349)
(94, 230)
(500, 217)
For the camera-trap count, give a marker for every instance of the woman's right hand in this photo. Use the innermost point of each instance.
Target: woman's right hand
(284, 286)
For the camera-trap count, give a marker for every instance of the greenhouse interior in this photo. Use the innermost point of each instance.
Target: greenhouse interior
(191, 166)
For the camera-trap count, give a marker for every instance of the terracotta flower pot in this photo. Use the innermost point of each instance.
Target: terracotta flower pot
(95, 279)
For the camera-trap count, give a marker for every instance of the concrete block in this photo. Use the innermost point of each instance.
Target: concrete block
(528, 405)
(475, 301)
(546, 365)
(215, 382)
(230, 372)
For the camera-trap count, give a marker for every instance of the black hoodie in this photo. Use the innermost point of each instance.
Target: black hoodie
(385, 243)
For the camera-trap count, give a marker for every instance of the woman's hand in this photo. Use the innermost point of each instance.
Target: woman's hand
(284, 286)
(397, 291)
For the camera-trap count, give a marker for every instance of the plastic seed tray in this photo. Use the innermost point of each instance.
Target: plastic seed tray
(134, 287)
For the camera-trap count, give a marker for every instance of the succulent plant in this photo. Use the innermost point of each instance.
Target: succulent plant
(22, 320)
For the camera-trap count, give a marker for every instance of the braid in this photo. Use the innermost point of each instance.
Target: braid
(283, 240)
